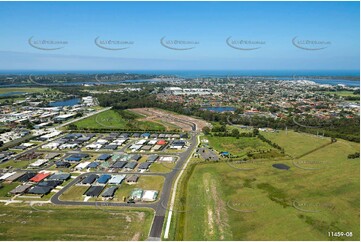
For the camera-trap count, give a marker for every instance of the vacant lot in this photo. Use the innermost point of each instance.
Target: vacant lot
(296, 144)
(318, 194)
(236, 146)
(49, 222)
(171, 118)
(112, 119)
(27, 90)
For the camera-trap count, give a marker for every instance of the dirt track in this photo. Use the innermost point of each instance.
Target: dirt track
(182, 121)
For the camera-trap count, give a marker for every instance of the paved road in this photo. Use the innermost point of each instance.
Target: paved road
(160, 207)
(208, 154)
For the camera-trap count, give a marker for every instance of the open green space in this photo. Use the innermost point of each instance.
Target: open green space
(317, 195)
(17, 163)
(237, 147)
(21, 89)
(112, 119)
(50, 222)
(7, 187)
(344, 93)
(295, 143)
(74, 193)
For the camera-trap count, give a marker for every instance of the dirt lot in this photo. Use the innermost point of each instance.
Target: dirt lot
(184, 122)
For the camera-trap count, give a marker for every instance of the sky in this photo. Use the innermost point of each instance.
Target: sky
(261, 36)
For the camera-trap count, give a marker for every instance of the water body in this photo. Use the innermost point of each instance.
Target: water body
(220, 109)
(9, 94)
(61, 103)
(270, 74)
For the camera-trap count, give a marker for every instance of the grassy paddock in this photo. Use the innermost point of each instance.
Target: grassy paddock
(50, 222)
(111, 119)
(226, 203)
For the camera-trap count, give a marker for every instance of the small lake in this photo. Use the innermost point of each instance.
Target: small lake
(220, 109)
(9, 94)
(61, 103)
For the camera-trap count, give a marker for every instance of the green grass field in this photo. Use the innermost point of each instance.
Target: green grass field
(265, 203)
(294, 143)
(50, 222)
(238, 147)
(113, 120)
(344, 93)
(20, 89)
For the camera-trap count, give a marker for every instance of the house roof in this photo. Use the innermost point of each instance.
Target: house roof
(94, 191)
(119, 164)
(133, 178)
(136, 157)
(144, 165)
(109, 192)
(161, 142)
(39, 177)
(152, 158)
(27, 176)
(62, 164)
(104, 178)
(116, 179)
(90, 179)
(93, 164)
(52, 183)
(104, 157)
(40, 190)
(60, 176)
(16, 176)
(20, 189)
(131, 165)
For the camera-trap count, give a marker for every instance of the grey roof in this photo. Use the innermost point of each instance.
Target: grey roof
(40, 190)
(16, 176)
(110, 147)
(60, 176)
(109, 192)
(136, 157)
(131, 165)
(94, 191)
(119, 164)
(52, 183)
(27, 177)
(152, 158)
(133, 178)
(90, 179)
(146, 147)
(20, 189)
(144, 166)
(51, 155)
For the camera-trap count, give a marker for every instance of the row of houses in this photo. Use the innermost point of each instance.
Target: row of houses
(34, 183)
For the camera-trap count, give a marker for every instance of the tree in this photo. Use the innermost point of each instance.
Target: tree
(206, 130)
(235, 133)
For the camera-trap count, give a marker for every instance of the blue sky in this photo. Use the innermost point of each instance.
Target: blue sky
(208, 24)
